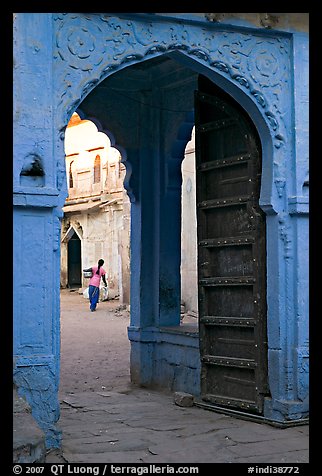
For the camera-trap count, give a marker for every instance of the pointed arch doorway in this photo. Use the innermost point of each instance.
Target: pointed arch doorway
(74, 261)
(230, 364)
(71, 249)
(260, 69)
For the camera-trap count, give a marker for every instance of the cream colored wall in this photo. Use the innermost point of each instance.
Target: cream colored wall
(86, 141)
(102, 232)
(189, 289)
(282, 21)
(105, 231)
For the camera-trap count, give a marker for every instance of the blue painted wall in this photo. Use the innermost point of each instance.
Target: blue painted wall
(36, 223)
(60, 62)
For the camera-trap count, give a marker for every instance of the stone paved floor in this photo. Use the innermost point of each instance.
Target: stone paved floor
(136, 425)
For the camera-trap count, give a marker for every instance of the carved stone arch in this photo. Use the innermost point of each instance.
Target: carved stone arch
(70, 232)
(94, 46)
(265, 70)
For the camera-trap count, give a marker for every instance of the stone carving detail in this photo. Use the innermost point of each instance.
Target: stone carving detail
(265, 60)
(286, 235)
(57, 227)
(32, 172)
(32, 166)
(91, 46)
(77, 43)
(215, 16)
(58, 216)
(79, 228)
(268, 20)
(65, 227)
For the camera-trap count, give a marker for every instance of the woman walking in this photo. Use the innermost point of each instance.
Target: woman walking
(94, 283)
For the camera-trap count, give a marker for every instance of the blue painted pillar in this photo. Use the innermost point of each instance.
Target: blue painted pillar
(298, 204)
(170, 253)
(156, 233)
(36, 224)
(170, 221)
(144, 249)
(287, 263)
(174, 132)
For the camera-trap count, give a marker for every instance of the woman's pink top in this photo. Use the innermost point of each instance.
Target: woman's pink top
(96, 278)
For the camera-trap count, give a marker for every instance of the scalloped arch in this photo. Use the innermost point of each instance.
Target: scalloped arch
(116, 146)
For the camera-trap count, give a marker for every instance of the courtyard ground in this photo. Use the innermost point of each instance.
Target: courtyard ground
(95, 350)
(105, 419)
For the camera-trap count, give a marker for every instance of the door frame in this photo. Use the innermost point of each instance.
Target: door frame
(64, 254)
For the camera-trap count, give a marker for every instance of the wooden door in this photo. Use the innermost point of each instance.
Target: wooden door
(231, 253)
(74, 262)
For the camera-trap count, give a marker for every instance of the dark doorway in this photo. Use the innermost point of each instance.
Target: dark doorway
(231, 253)
(74, 262)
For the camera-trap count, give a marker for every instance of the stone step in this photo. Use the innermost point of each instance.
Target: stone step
(28, 438)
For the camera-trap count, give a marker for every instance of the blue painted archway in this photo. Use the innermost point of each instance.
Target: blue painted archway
(86, 51)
